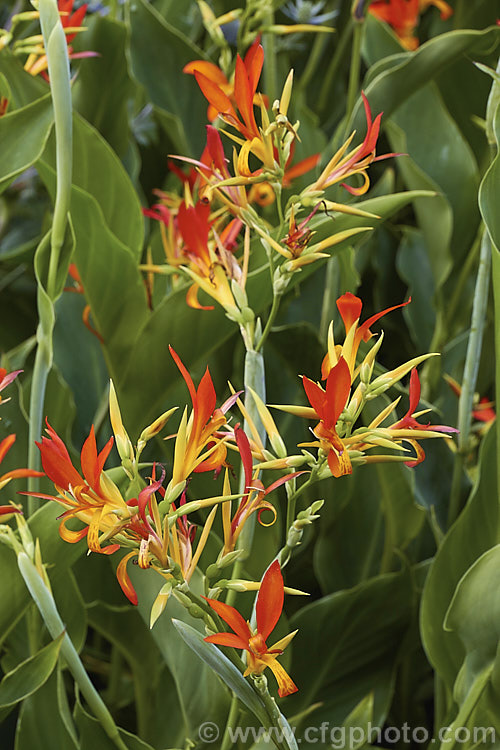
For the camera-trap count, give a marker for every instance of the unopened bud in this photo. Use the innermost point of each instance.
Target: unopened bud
(154, 428)
(239, 294)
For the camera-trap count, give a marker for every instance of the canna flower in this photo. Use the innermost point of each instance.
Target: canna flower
(226, 98)
(198, 447)
(4, 105)
(343, 165)
(207, 269)
(253, 499)
(350, 307)
(403, 16)
(237, 109)
(409, 421)
(5, 446)
(327, 406)
(92, 498)
(268, 610)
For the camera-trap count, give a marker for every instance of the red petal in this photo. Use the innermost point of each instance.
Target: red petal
(6, 445)
(349, 307)
(338, 385)
(124, 579)
(270, 600)
(227, 639)
(185, 374)
(254, 60)
(233, 618)
(316, 396)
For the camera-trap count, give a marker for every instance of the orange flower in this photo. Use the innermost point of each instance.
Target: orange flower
(93, 498)
(225, 98)
(349, 307)
(356, 161)
(198, 448)
(78, 289)
(268, 610)
(403, 16)
(409, 422)
(328, 405)
(206, 268)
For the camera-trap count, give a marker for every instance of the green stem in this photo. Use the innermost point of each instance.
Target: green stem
(269, 323)
(47, 606)
(58, 67)
(43, 362)
(227, 742)
(59, 73)
(254, 378)
(354, 71)
(329, 295)
(313, 61)
(471, 368)
(325, 94)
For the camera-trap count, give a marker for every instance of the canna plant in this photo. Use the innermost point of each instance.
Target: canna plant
(233, 193)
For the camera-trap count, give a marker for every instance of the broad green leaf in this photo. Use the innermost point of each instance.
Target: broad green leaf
(201, 694)
(30, 675)
(474, 614)
(488, 203)
(390, 86)
(339, 655)
(359, 723)
(23, 135)
(414, 267)
(221, 665)
(102, 89)
(158, 53)
(40, 725)
(475, 531)
(98, 172)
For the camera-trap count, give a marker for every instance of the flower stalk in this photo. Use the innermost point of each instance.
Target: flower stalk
(47, 607)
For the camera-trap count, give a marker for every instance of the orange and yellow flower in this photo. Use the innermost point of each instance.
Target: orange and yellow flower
(92, 498)
(268, 611)
(198, 446)
(350, 307)
(343, 165)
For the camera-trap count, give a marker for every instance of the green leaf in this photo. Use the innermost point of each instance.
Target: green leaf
(395, 79)
(474, 614)
(23, 135)
(156, 45)
(345, 647)
(102, 89)
(220, 664)
(475, 531)
(30, 675)
(201, 694)
(40, 724)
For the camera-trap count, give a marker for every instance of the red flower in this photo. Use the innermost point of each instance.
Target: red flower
(268, 610)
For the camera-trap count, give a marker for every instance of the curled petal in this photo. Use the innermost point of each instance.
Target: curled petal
(124, 578)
